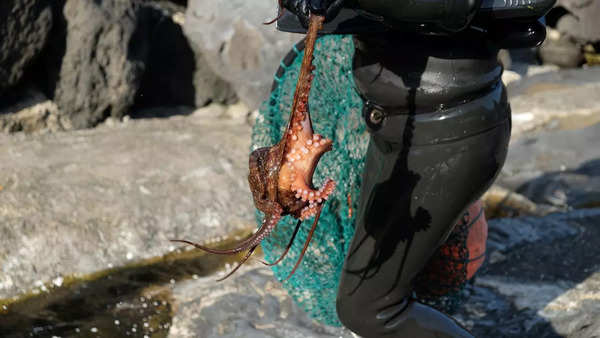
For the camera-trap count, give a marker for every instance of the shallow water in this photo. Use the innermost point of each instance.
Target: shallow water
(134, 301)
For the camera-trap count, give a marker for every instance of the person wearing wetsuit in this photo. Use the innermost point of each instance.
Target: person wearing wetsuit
(439, 121)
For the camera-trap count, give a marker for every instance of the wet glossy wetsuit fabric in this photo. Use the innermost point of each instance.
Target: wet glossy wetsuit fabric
(440, 125)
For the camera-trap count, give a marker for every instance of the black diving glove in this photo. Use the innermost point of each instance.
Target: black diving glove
(302, 8)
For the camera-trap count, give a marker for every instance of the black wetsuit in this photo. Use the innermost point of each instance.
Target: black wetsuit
(440, 125)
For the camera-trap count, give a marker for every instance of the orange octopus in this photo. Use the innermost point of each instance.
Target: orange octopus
(280, 176)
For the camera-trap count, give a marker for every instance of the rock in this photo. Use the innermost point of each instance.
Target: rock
(501, 202)
(104, 60)
(504, 58)
(563, 52)
(251, 304)
(507, 233)
(579, 188)
(236, 44)
(509, 76)
(238, 111)
(33, 113)
(174, 74)
(576, 312)
(549, 151)
(586, 13)
(555, 100)
(545, 286)
(78, 202)
(24, 29)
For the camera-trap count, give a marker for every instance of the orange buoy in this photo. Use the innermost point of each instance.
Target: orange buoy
(476, 238)
(458, 259)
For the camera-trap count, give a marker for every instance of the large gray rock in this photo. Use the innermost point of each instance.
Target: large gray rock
(236, 44)
(579, 188)
(555, 100)
(104, 60)
(175, 74)
(75, 203)
(251, 304)
(583, 23)
(24, 29)
(549, 151)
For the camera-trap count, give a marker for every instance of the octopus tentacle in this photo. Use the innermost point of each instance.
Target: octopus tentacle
(248, 254)
(281, 10)
(287, 248)
(306, 243)
(267, 227)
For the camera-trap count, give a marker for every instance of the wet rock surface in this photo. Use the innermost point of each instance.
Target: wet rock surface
(74, 203)
(546, 287)
(252, 305)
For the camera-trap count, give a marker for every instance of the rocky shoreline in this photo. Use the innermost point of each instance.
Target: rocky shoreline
(127, 123)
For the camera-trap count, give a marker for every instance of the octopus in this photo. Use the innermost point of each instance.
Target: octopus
(280, 176)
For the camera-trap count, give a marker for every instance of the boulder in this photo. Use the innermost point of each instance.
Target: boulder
(578, 188)
(104, 59)
(231, 36)
(175, 74)
(24, 29)
(83, 201)
(563, 51)
(582, 22)
(251, 304)
(33, 112)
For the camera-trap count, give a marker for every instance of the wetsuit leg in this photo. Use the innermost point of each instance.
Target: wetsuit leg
(425, 165)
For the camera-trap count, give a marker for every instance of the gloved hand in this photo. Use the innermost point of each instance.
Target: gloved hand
(302, 8)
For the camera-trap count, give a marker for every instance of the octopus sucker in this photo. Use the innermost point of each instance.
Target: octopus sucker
(280, 176)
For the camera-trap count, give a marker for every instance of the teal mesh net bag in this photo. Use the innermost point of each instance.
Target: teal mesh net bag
(336, 110)
(336, 114)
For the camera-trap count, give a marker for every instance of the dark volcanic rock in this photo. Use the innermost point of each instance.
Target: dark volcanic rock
(104, 59)
(507, 233)
(231, 37)
(175, 74)
(578, 188)
(547, 285)
(24, 29)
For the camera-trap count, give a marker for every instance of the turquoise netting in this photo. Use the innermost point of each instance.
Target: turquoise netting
(336, 113)
(335, 108)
